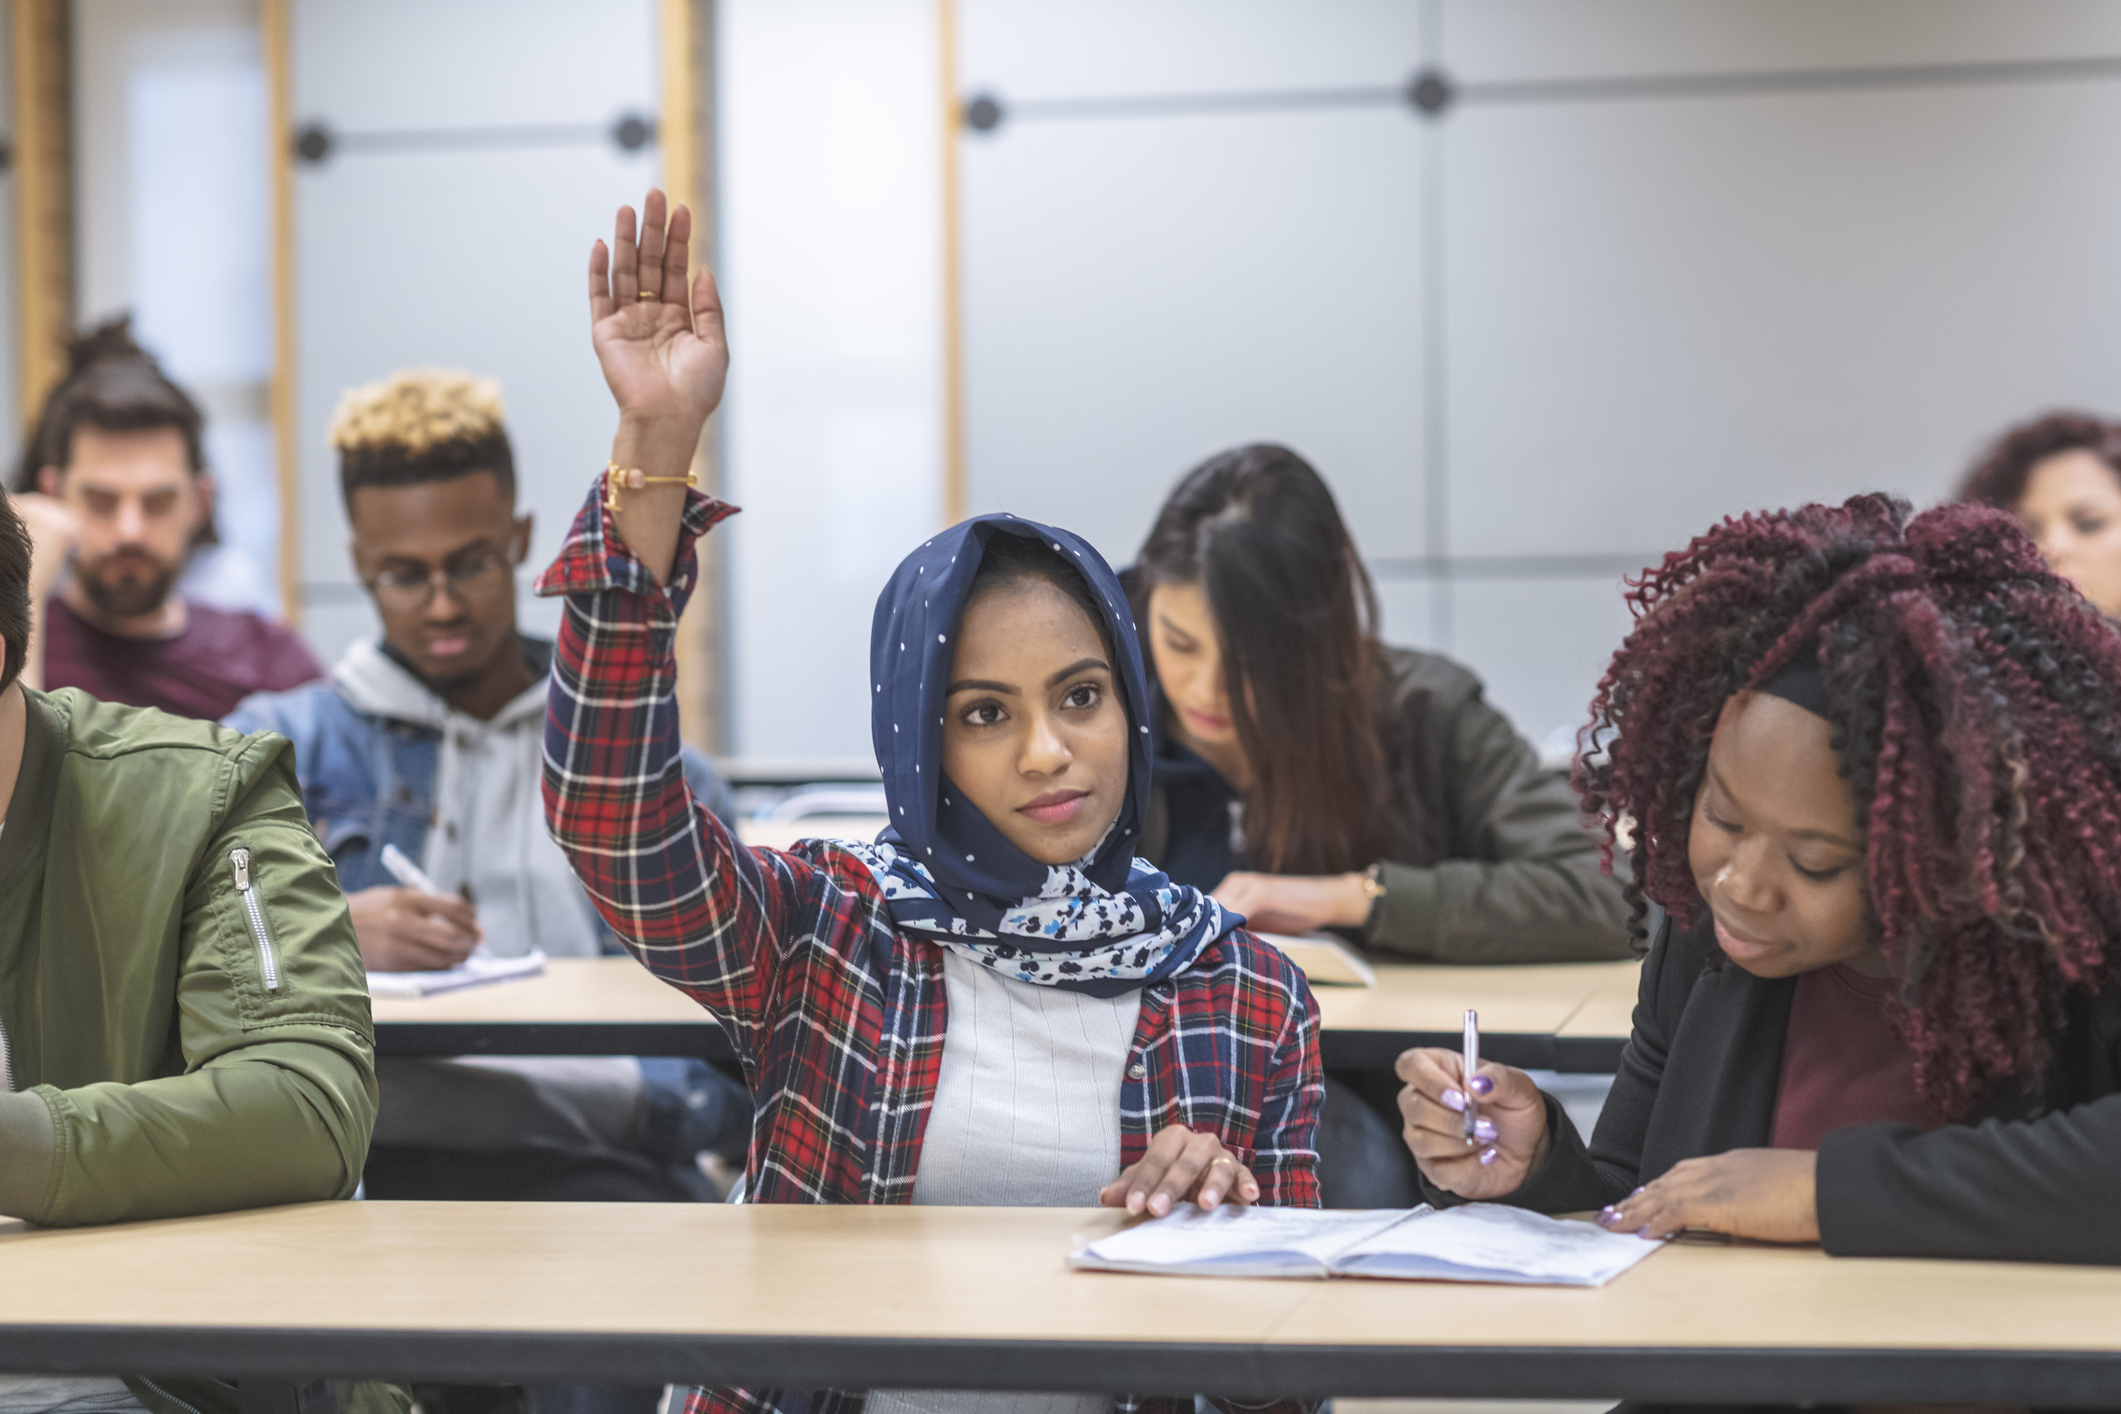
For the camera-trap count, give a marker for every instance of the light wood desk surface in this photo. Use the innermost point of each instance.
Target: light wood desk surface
(612, 1006)
(1415, 1004)
(582, 1006)
(1592, 1036)
(615, 990)
(979, 1298)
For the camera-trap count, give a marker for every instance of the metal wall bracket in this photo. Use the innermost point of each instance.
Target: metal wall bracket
(1432, 93)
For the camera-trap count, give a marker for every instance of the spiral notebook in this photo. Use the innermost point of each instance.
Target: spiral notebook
(474, 971)
(1482, 1242)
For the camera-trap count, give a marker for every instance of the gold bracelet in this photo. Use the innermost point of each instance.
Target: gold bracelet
(1373, 888)
(633, 479)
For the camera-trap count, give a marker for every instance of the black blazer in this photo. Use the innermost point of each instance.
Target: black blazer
(2035, 1176)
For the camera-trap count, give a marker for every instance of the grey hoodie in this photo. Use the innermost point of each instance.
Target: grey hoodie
(489, 837)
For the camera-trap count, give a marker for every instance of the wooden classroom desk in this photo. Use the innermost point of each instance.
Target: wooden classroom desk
(1591, 1039)
(978, 1298)
(1417, 1004)
(612, 1006)
(579, 1006)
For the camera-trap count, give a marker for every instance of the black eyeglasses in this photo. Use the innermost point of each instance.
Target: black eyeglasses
(410, 587)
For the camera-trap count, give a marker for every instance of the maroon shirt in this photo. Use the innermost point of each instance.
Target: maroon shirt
(1842, 1062)
(220, 659)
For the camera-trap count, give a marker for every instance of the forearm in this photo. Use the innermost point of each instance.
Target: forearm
(28, 1149)
(679, 891)
(1513, 911)
(2037, 1191)
(649, 518)
(286, 1123)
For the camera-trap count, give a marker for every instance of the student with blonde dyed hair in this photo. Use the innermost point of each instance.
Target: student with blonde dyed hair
(430, 739)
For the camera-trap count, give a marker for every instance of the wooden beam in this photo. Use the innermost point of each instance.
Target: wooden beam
(287, 447)
(953, 313)
(686, 133)
(44, 197)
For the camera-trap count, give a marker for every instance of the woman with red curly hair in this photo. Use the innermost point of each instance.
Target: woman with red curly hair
(1871, 768)
(2061, 475)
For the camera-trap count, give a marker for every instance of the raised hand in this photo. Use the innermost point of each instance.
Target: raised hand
(664, 356)
(659, 342)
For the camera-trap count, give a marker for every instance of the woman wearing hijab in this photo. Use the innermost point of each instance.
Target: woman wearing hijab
(995, 1003)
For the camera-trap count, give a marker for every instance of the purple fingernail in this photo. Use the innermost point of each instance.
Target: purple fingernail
(1482, 1086)
(1482, 1129)
(1636, 1194)
(1609, 1214)
(1643, 1231)
(1452, 1100)
(1487, 1156)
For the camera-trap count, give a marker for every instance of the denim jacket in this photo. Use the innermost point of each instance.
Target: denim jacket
(368, 780)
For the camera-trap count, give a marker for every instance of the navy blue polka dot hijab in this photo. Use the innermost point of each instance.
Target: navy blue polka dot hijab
(1104, 924)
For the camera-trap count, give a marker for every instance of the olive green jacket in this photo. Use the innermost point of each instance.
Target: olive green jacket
(179, 983)
(1492, 863)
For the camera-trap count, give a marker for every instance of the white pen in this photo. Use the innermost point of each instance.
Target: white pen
(1469, 1058)
(412, 876)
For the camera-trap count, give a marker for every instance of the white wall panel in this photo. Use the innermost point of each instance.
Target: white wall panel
(830, 144)
(1099, 48)
(1540, 646)
(1408, 611)
(391, 65)
(1140, 294)
(467, 260)
(1486, 40)
(1662, 313)
(172, 218)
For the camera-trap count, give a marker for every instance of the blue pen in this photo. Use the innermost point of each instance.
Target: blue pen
(1469, 1058)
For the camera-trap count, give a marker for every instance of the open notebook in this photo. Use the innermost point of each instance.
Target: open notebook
(1324, 959)
(1479, 1242)
(474, 971)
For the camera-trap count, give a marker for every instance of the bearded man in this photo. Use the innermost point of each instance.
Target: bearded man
(125, 498)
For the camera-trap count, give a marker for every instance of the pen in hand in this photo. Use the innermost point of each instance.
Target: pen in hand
(407, 873)
(412, 876)
(1469, 1059)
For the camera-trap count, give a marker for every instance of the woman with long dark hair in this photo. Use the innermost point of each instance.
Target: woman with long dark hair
(1313, 777)
(1870, 766)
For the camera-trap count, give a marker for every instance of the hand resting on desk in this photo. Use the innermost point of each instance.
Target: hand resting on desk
(1181, 1165)
(1296, 903)
(1771, 1195)
(405, 930)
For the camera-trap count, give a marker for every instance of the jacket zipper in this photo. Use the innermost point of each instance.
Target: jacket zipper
(184, 1404)
(7, 1062)
(254, 907)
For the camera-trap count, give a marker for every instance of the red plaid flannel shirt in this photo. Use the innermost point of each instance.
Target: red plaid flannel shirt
(837, 1019)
